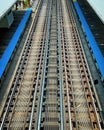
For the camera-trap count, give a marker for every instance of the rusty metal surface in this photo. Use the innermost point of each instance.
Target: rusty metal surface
(52, 88)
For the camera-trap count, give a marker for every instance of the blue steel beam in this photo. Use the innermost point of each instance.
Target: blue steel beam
(92, 42)
(9, 50)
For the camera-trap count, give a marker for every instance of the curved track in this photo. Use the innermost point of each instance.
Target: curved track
(52, 88)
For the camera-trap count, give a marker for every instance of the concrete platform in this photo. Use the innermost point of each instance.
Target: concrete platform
(5, 6)
(98, 7)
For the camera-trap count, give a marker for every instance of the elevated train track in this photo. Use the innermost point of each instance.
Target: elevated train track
(52, 88)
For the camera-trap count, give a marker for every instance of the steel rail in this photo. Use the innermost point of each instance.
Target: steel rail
(67, 5)
(73, 95)
(91, 81)
(36, 86)
(60, 68)
(14, 87)
(19, 71)
(44, 70)
(61, 56)
(19, 90)
(72, 89)
(82, 81)
(80, 42)
(66, 80)
(97, 98)
(93, 89)
(91, 94)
